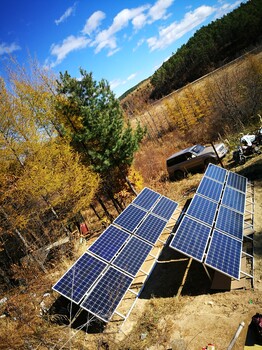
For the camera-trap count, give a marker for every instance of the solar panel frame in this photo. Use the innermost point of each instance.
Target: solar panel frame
(151, 228)
(107, 294)
(187, 241)
(237, 181)
(146, 199)
(210, 188)
(74, 283)
(165, 208)
(130, 218)
(234, 199)
(230, 222)
(224, 254)
(203, 209)
(132, 256)
(216, 173)
(109, 243)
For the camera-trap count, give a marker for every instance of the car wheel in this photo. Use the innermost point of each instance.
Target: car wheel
(179, 175)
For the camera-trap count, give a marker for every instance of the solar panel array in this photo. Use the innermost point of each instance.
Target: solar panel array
(211, 230)
(100, 278)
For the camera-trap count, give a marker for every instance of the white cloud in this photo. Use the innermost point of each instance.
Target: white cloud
(176, 30)
(65, 15)
(8, 48)
(71, 43)
(158, 11)
(139, 21)
(132, 76)
(139, 43)
(225, 8)
(112, 52)
(93, 22)
(117, 82)
(107, 38)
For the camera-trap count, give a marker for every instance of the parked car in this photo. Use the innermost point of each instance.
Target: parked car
(192, 159)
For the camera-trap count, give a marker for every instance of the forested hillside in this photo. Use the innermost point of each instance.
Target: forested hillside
(211, 47)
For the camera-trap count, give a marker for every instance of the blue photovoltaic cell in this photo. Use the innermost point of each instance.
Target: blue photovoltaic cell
(165, 208)
(202, 209)
(234, 199)
(191, 238)
(224, 254)
(237, 181)
(215, 172)
(230, 222)
(130, 218)
(80, 277)
(151, 228)
(109, 243)
(133, 255)
(146, 198)
(106, 295)
(210, 188)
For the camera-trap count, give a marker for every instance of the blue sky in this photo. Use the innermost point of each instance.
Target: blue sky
(123, 42)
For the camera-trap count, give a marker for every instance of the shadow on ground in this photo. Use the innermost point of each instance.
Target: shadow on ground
(63, 310)
(166, 280)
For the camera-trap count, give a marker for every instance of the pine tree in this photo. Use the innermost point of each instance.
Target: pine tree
(94, 122)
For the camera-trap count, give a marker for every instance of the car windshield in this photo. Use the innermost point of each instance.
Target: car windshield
(198, 148)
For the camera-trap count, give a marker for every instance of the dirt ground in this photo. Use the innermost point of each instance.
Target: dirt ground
(206, 316)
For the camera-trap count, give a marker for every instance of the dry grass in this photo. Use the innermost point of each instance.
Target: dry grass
(155, 325)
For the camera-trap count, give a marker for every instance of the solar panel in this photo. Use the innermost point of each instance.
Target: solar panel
(133, 255)
(146, 198)
(215, 172)
(106, 295)
(234, 199)
(165, 208)
(130, 217)
(224, 254)
(202, 209)
(151, 228)
(230, 222)
(191, 238)
(109, 243)
(80, 277)
(210, 188)
(237, 181)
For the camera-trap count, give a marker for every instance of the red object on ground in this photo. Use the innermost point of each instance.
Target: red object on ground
(83, 229)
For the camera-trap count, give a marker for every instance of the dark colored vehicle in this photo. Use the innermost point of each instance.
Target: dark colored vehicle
(192, 159)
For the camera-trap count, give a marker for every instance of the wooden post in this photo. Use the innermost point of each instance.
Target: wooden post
(220, 160)
(184, 278)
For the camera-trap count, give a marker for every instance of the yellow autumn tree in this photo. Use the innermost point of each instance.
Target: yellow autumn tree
(42, 180)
